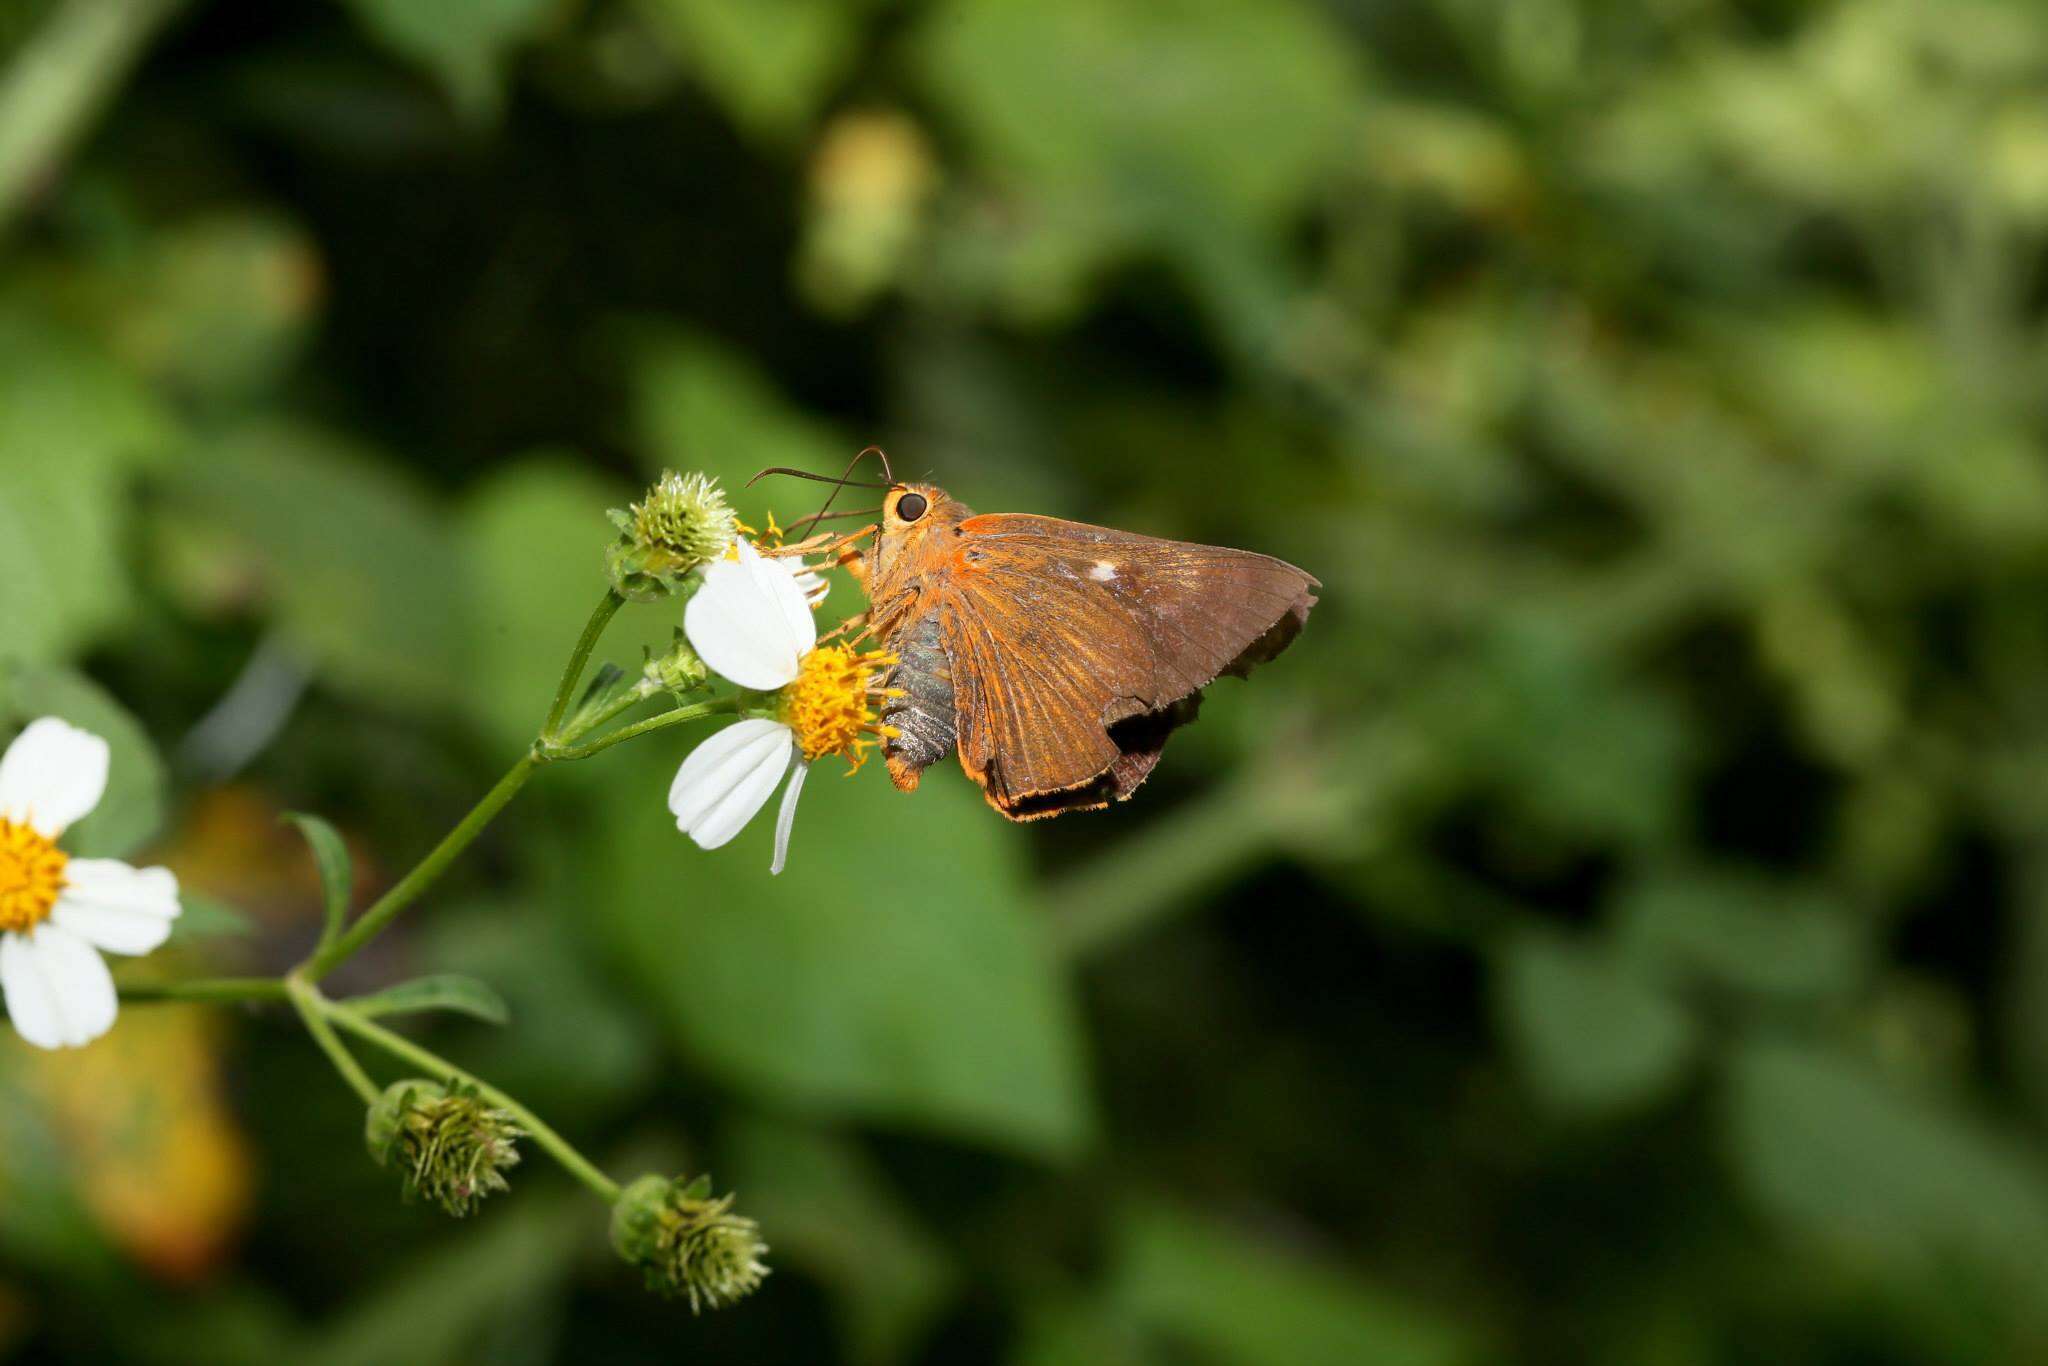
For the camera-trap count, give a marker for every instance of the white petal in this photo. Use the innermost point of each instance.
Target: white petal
(51, 775)
(749, 621)
(728, 778)
(786, 817)
(117, 908)
(813, 586)
(58, 990)
(796, 610)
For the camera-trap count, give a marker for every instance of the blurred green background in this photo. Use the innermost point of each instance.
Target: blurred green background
(1617, 932)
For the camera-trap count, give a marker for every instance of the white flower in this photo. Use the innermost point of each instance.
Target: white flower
(751, 624)
(58, 913)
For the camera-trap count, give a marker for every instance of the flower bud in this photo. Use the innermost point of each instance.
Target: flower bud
(689, 1245)
(448, 1145)
(683, 522)
(677, 669)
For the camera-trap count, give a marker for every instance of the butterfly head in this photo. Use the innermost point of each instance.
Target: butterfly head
(914, 516)
(913, 509)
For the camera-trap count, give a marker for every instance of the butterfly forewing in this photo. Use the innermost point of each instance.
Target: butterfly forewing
(1057, 632)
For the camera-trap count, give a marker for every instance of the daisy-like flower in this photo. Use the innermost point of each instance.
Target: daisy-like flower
(58, 913)
(751, 624)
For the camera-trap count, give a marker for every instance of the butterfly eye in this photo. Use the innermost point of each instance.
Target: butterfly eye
(911, 506)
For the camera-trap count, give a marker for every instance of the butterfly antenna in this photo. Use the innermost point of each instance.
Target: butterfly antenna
(817, 478)
(845, 480)
(879, 454)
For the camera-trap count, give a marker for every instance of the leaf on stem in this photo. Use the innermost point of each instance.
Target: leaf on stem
(337, 872)
(205, 917)
(440, 991)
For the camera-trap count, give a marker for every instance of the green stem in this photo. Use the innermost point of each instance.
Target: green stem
(423, 874)
(693, 712)
(207, 989)
(307, 1000)
(572, 673)
(401, 1047)
(60, 79)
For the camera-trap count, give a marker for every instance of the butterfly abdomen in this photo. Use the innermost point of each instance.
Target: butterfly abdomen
(923, 716)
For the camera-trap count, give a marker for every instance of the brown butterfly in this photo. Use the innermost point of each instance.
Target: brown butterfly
(1057, 657)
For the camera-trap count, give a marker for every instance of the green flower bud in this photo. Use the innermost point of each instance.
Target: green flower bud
(448, 1145)
(682, 523)
(689, 1245)
(677, 669)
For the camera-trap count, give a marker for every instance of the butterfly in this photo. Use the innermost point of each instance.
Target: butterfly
(1054, 657)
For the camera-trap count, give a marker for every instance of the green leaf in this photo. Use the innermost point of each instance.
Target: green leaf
(1745, 932)
(1238, 106)
(72, 431)
(1247, 1302)
(1574, 743)
(929, 996)
(206, 917)
(355, 558)
(599, 1049)
(464, 42)
(534, 538)
(440, 991)
(831, 1211)
(1067, 1329)
(1594, 1032)
(1883, 1176)
(770, 62)
(132, 809)
(699, 405)
(473, 1298)
(337, 869)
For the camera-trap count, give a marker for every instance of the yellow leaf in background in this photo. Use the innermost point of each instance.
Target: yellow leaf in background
(152, 1150)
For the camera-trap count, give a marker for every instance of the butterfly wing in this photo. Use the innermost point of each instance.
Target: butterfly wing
(1076, 650)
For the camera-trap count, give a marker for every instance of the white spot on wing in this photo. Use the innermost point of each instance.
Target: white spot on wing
(1103, 571)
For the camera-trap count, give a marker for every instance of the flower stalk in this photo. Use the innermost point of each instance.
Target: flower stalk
(451, 1135)
(537, 1129)
(312, 1008)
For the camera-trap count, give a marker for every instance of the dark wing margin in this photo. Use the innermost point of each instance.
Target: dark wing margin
(1078, 650)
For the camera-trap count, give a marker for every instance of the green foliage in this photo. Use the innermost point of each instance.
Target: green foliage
(463, 42)
(922, 996)
(337, 869)
(770, 64)
(73, 430)
(836, 1216)
(1893, 1179)
(1594, 1032)
(1616, 932)
(1243, 1302)
(534, 534)
(133, 807)
(363, 579)
(438, 991)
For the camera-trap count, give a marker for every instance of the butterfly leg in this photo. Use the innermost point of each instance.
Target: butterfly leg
(858, 620)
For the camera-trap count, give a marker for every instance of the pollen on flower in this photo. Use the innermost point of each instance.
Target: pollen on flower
(831, 705)
(31, 876)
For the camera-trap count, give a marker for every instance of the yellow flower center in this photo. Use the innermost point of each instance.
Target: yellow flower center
(31, 876)
(831, 706)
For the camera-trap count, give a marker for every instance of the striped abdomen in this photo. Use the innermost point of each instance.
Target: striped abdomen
(924, 714)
